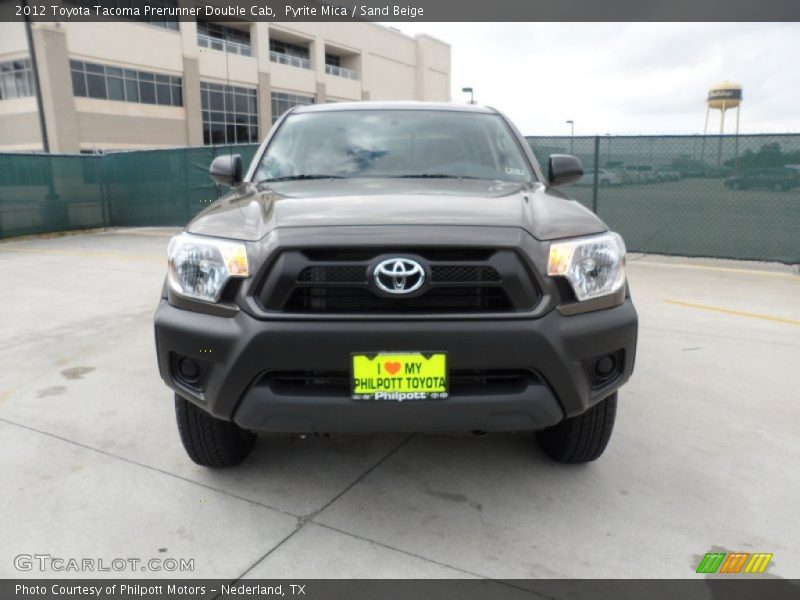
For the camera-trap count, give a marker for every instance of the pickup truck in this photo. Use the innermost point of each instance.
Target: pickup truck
(395, 267)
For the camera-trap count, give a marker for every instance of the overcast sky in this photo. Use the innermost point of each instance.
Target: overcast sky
(625, 77)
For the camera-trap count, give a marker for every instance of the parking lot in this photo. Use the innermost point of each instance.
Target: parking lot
(704, 456)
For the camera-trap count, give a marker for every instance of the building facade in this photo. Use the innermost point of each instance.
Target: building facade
(129, 85)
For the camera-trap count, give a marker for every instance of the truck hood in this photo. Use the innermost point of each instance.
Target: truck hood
(250, 211)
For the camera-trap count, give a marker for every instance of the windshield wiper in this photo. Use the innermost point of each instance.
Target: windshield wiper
(299, 177)
(433, 176)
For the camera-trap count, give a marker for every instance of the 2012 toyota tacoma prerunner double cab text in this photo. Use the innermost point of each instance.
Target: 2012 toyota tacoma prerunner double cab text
(387, 267)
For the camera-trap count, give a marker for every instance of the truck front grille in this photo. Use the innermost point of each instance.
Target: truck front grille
(337, 281)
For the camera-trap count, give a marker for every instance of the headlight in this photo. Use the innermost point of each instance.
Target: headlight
(199, 267)
(594, 266)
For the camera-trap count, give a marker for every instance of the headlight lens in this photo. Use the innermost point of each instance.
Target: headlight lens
(594, 266)
(199, 267)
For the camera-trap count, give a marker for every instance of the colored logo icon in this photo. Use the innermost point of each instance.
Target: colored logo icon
(734, 562)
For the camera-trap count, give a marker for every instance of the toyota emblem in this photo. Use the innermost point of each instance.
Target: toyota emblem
(399, 276)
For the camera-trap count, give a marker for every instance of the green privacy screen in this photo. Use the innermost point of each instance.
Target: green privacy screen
(727, 197)
(44, 193)
(41, 193)
(718, 196)
(163, 187)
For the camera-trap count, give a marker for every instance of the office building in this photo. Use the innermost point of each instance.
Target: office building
(136, 84)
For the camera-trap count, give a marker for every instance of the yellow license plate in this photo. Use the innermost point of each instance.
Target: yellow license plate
(400, 376)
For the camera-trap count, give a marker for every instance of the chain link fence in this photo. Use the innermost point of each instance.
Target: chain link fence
(715, 196)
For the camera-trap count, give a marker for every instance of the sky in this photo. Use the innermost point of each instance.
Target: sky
(625, 78)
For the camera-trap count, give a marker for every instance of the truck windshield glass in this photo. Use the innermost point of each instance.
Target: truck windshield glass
(393, 143)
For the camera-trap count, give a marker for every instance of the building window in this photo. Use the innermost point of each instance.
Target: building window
(126, 4)
(333, 60)
(91, 80)
(281, 102)
(287, 53)
(222, 37)
(230, 114)
(16, 79)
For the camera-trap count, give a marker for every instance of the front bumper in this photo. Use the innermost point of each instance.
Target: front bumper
(242, 351)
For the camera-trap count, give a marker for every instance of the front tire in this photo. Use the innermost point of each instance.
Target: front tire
(583, 438)
(209, 441)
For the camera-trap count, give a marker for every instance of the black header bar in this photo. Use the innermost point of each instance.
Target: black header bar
(405, 10)
(705, 588)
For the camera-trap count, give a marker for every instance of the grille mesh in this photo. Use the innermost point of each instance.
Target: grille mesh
(462, 381)
(333, 274)
(463, 274)
(321, 299)
(358, 274)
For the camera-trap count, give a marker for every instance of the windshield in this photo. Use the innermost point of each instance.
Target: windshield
(393, 143)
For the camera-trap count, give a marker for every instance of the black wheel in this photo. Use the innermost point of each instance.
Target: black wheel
(209, 441)
(583, 438)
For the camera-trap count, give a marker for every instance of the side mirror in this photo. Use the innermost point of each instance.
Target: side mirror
(227, 169)
(563, 168)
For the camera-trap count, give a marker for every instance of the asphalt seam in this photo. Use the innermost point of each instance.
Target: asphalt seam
(734, 312)
(309, 518)
(777, 274)
(86, 254)
(302, 520)
(426, 559)
(300, 526)
(400, 550)
(717, 336)
(152, 468)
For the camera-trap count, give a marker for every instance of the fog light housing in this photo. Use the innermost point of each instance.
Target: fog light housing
(605, 366)
(189, 372)
(604, 369)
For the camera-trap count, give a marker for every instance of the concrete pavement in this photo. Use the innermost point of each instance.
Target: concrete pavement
(704, 455)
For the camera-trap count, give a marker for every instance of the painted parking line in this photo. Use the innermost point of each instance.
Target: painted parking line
(149, 232)
(738, 313)
(757, 273)
(87, 253)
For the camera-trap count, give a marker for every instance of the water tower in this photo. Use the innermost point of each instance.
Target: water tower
(723, 97)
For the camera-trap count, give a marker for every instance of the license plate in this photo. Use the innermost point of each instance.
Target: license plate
(399, 376)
